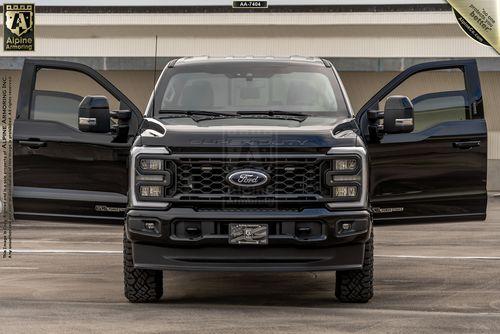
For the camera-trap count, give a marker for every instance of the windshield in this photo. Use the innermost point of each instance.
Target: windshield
(250, 86)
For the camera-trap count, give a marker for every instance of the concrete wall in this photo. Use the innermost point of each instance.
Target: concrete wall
(367, 34)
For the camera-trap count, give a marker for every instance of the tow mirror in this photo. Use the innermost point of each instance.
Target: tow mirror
(398, 115)
(94, 115)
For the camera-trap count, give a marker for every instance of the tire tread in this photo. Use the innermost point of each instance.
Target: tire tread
(356, 286)
(140, 285)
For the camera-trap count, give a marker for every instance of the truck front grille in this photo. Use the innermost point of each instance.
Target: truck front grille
(288, 176)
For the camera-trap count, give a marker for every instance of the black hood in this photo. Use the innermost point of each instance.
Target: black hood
(316, 134)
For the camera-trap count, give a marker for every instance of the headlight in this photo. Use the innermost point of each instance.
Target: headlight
(347, 177)
(346, 165)
(152, 177)
(346, 191)
(151, 164)
(151, 191)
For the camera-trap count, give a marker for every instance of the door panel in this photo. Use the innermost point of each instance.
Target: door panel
(437, 172)
(59, 170)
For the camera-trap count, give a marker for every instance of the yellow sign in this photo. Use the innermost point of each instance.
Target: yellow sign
(482, 17)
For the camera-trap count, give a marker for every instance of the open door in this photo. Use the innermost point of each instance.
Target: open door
(58, 169)
(438, 171)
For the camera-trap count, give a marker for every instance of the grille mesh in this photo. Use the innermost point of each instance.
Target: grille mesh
(288, 176)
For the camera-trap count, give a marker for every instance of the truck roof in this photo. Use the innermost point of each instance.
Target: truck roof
(264, 59)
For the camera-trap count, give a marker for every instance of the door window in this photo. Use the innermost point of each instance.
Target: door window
(56, 106)
(437, 97)
(435, 108)
(58, 94)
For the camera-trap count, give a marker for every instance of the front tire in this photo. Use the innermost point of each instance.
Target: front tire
(356, 286)
(140, 285)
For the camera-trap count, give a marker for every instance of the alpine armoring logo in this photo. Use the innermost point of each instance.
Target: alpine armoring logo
(248, 178)
(19, 27)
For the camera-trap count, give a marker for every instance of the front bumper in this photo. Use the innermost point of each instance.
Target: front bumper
(307, 240)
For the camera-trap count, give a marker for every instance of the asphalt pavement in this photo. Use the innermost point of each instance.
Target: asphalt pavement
(431, 278)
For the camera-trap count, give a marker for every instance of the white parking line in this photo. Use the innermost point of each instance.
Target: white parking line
(85, 251)
(63, 251)
(19, 268)
(441, 257)
(66, 242)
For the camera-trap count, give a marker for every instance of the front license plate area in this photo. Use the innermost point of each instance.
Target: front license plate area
(248, 234)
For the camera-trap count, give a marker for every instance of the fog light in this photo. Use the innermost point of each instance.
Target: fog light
(151, 191)
(150, 226)
(346, 191)
(346, 164)
(346, 226)
(352, 227)
(193, 230)
(151, 164)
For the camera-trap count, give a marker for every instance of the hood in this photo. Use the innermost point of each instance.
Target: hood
(316, 134)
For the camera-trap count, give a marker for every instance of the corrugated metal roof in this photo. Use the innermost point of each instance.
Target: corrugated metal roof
(225, 6)
(142, 3)
(367, 41)
(245, 19)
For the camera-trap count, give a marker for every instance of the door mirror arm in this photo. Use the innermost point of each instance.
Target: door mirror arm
(121, 129)
(375, 125)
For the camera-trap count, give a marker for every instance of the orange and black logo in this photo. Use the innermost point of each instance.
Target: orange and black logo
(19, 27)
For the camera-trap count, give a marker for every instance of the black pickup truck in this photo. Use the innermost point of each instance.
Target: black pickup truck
(251, 164)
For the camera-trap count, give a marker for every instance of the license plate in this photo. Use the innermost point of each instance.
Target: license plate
(248, 234)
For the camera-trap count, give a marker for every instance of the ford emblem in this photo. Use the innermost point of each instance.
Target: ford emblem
(248, 178)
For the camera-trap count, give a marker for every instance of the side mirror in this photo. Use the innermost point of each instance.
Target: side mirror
(398, 115)
(94, 115)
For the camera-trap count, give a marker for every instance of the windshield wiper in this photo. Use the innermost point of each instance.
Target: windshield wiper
(195, 113)
(202, 115)
(275, 113)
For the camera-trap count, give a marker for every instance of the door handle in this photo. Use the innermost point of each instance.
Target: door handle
(33, 143)
(465, 145)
